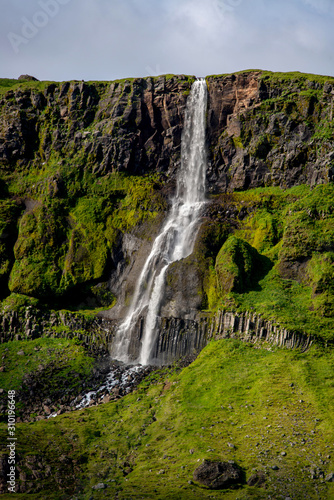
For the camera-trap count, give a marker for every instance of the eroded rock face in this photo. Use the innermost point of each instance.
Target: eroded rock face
(218, 475)
(75, 136)
(135, 125)
(257, 137)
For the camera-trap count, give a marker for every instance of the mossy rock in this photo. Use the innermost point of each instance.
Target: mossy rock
(321, 277)
(39, 252)
(9, 213)
(239, 266)
(86, 257)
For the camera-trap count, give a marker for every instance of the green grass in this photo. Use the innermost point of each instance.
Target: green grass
(67, 354)
(280, 77)
(287, 303)
(294, 76)
(148, 444)
(7, 84)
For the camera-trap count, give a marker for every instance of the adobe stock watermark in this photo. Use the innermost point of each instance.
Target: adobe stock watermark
(153, 71)
(11, 476)
(227, 6)
(40, 19)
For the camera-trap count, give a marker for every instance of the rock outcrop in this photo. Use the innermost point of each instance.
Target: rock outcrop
(265, 130)
(179, 337)
(30, 323)
(218, 475)
(133, 126)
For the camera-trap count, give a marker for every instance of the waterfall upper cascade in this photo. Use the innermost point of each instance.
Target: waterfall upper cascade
(177, 237)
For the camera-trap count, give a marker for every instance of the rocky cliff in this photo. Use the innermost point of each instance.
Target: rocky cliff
(262, 127)
(87, 169)
(131, 126)
(269, 130)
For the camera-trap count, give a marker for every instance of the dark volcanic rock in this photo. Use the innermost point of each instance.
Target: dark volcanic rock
(135, 126)
(218, 475)
(28, 77)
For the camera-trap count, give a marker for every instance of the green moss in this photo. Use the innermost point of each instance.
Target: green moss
(67, 237)
(239, 266)
(262, 230)
(324, 130)
(18, 303)
(237, 142)
(9, 213)
(39, 252)
(143, 202)
(212, 290)
(103, 295)
(278, 78)
(321, 277)
(87, 253)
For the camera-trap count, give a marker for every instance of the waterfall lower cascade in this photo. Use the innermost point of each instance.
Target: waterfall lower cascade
(177, 237)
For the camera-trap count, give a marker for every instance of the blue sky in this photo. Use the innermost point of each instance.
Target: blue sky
(108, 39)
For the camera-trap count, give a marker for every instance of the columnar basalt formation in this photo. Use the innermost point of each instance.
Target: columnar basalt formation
(176, 337)
(179, 337)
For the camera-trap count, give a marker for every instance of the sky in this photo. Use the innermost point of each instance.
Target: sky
(109, 39)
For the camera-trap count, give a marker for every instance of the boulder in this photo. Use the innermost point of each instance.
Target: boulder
(218, 475)
(330, 478)
(28, 77)
(258, 479)
(100, 486)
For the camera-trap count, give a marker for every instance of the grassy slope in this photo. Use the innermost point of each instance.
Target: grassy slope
(233, 393)
(23, 357)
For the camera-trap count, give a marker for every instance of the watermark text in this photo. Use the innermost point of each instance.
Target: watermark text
(11, 475)
(40, 19)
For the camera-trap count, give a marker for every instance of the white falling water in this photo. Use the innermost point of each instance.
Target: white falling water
(177, 237)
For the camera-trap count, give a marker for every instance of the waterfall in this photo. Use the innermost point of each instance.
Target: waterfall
(177, 237)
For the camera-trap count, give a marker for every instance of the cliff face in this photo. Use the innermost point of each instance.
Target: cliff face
(263, 129)
(132, 126)
(87, 170)
(269, 130)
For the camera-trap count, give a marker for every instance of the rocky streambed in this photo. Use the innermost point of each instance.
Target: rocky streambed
(109, 381)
